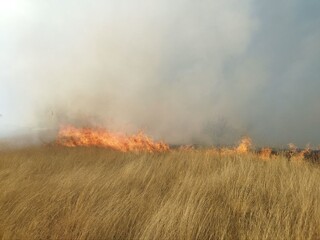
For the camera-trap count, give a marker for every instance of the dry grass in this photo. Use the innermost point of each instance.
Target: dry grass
(88, 193)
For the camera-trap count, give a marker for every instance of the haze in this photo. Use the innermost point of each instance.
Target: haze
(183, 71)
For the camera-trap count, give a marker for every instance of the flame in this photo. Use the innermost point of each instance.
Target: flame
(244, 146)
(71, 136)
(265, 153)
(299, 155)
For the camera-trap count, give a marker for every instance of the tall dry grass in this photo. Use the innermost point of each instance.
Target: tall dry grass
(87, 193)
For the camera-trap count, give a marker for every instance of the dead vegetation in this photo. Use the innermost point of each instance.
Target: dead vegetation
(90, 193)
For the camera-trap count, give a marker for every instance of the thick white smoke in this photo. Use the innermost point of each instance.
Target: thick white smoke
(183, 71)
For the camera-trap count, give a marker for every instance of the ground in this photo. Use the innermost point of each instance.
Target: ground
(90, 193)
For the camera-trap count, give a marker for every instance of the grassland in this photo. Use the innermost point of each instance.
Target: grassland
(90, 193)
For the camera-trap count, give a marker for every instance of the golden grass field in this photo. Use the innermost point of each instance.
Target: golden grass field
(91, 193)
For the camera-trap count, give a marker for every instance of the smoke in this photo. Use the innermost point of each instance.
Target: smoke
(185, 72)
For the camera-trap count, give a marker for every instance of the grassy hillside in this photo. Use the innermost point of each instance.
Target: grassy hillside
(89, 193)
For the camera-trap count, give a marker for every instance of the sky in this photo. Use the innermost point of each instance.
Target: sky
(205, 72)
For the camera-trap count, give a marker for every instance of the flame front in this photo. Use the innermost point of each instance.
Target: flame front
(244, 146)
(71, 136)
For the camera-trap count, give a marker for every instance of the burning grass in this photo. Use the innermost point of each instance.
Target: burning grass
(71, 136)
(96, 193)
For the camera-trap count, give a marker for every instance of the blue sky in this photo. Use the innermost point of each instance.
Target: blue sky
(184, 71)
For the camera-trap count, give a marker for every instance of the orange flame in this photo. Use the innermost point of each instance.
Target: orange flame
(296, 155)
(71, 136)
(265, 153)
(244, 146)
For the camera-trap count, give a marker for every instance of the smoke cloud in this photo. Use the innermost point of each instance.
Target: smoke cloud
(203, 72)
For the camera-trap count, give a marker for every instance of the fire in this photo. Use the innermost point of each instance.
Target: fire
(298, 155)
(265, 153)
(71, 136)
(244, 146)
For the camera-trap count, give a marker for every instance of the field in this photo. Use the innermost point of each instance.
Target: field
(92, 193)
